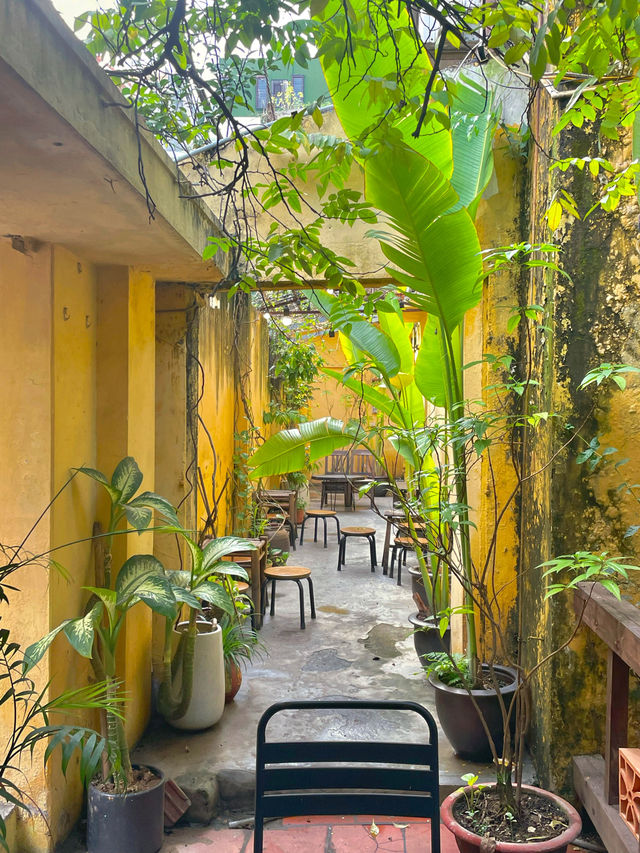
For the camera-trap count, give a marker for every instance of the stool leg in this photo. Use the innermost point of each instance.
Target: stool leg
(393, 559)
(372, 553)
(341, 540)
(315, 531)
(301, 591)
(324, 521)
(375, 555)
(337, 520)
(304, 521)
(264, 597)
(272, 610)
(312, 600)
(399, 573)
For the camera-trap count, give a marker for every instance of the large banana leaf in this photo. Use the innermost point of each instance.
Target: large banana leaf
(400, 333)
(363, 335)
(437, 256)
(363, 86)
(429, 370)
(473, 122)
(393, 410)
(289, 449)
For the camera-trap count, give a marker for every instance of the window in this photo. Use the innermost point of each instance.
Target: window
(278, 87)
(298, 86)
(261, 93)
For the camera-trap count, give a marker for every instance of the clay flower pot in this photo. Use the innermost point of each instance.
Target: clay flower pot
(469, 842)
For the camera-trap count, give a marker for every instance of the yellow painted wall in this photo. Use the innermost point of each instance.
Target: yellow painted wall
(126, 427)
(498, 224)
(26, 424)
(217, 386)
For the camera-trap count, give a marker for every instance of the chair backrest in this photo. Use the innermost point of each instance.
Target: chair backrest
(348, 777)
(362, 462)
(337, 463)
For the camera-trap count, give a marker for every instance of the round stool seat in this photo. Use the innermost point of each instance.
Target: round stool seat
(358, 531)
(287, 573)
(242, 586)
(320, 513)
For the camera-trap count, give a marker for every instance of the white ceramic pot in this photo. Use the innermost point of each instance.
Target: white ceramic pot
(207, 695)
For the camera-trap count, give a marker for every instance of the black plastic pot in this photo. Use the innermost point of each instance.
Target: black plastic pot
(460, 720)
(426, 636)
(126, 823)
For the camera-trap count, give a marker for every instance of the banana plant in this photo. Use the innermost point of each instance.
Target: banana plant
(209, 580)
(394, 392)
(141, 579)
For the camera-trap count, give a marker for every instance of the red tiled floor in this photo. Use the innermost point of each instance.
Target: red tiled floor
(296, 839)
(345, 839)
(325, 834)
(325, 820)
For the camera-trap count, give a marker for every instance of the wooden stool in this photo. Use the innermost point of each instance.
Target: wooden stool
(366, 532)
(288, 573)
(401, 545)
(318, 514)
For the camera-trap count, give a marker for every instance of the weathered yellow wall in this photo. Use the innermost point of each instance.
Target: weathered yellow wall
(72, 515)
(217, 386)
(26, 424)
(498, 224)
(590, 318)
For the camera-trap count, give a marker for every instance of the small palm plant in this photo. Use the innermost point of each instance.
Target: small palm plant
(96, 633)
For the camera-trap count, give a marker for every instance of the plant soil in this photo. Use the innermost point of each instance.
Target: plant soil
(539, 818)
(142, 779)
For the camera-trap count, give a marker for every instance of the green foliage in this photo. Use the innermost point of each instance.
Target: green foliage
(95, 634)
(451, 669)
(585, 566)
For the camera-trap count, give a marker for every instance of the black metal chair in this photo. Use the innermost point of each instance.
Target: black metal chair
(399, 778)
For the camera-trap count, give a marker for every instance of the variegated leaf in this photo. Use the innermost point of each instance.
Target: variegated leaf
(126, 478)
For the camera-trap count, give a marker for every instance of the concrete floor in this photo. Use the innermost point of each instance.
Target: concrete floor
(359, 646)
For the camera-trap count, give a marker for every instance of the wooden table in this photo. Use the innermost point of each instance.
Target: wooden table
(348, 481)
(256, 569)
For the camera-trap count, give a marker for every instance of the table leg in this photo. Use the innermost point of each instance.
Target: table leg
(385, 548)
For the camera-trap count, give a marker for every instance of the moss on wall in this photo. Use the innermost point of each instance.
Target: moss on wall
(590, 318)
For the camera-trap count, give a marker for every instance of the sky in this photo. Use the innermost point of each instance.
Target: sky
(70, 8)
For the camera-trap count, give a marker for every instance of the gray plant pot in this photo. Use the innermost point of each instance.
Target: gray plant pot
(126, 823)
(426, 636)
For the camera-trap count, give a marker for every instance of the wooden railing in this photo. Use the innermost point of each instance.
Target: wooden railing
(595, 778)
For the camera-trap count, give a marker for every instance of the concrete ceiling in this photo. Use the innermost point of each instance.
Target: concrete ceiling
(57, 185)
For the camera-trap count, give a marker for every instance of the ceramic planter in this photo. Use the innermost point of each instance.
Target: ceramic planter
(459, 718)
(128, 823)
(426, 636)
(207, 696)
(469, 842)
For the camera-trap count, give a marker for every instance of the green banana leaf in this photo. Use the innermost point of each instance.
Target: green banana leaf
(473, 122)
(290, 449)
(365, 89)
(394, 411)
(437, 256)
(363, 335)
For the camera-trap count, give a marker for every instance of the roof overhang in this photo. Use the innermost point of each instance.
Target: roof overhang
(70, 158)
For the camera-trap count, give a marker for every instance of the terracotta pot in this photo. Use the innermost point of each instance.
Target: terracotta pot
(299, 515)
(426, 636)
(469, 842)
(232, 680)
(460, 720)
(417, 584)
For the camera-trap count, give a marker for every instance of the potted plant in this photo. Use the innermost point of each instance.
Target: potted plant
(192, 686)
(240, 644)
(125, 802)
